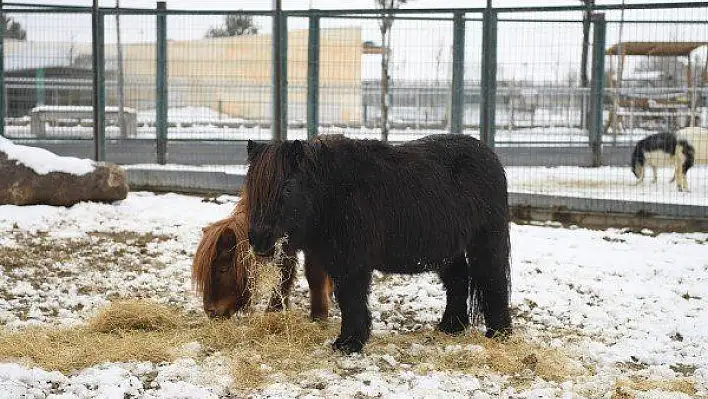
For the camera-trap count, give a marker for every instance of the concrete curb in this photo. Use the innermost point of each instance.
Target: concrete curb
(184, 181)
(582, 204)
(586, 212)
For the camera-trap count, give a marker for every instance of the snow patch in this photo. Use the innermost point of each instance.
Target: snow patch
(43, 161)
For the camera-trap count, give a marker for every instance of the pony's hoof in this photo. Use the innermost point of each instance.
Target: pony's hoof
(274, 308)
(347, 345)
(451, 327)
(319, 318)
(502, 333)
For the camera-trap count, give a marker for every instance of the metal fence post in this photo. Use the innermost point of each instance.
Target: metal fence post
(2, 71)
(284, 76)
(40, 86)
(99, 85)
(276, 117)
(597, 87)
(458, 73)
(313, 76)
(487, 129)
(161, 83)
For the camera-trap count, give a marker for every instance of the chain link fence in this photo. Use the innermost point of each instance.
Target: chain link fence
(511, 76)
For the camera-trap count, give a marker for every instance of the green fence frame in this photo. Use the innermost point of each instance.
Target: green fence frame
(490, 18)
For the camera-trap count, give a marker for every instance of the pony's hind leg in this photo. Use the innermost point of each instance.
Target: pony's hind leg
(490, 279)
(281, 295)
(456, 279)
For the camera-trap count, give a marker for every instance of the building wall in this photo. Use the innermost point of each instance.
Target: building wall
(233, 74)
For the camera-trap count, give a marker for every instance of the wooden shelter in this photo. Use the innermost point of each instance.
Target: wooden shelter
(668, 106)
(658, 49)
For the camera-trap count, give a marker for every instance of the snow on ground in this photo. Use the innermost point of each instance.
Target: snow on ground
(190, 115)
(622, 304)
(43, 161)
(183, 127)
(607, 182)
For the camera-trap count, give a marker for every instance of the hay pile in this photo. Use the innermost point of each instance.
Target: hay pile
(128, 330)
(628, 388)
(264, 346)
(125, 316)
(146, 331)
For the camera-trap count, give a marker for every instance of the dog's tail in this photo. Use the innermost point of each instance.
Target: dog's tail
(689, 154)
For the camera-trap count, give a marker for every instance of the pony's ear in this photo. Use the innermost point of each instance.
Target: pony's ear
(320, 148)
(297, 153)
(253, 148)
(297, 149)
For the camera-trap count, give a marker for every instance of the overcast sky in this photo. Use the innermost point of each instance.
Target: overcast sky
(75, 27)
(324, 4)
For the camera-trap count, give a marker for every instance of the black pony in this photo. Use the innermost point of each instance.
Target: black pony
(438, 203)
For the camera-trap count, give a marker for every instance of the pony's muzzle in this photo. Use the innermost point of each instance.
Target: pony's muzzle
(262, 241)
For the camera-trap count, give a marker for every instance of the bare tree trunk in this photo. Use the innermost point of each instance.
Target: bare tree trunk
(385, 26)
(704, 75)
(121, 79)
(385, 44)
(620, 72)
(584, 81)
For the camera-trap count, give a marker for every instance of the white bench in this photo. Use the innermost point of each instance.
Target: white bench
(40, 116)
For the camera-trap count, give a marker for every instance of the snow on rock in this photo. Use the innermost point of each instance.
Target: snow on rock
(43, 161)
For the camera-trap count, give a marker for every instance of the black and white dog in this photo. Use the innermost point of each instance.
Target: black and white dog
(663, 149)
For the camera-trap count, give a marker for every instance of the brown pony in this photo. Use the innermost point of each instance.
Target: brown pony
(222, 264)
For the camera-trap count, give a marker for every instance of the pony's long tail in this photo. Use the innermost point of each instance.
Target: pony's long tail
(490, 279)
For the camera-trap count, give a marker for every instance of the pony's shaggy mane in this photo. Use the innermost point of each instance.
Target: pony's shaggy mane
(265, 175)
(206, 252)
(259, 182)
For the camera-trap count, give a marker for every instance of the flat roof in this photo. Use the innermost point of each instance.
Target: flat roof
(658, 49)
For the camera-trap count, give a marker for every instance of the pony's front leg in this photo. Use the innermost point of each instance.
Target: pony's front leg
(281, 294)
(352, 291)
(456, 279)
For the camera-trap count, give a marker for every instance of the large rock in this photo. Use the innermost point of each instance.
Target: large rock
(30, 176)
